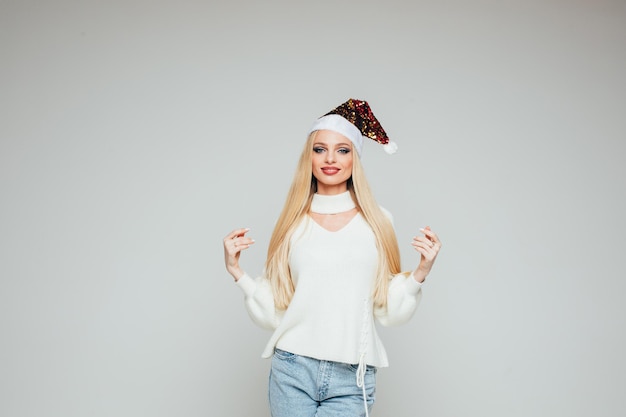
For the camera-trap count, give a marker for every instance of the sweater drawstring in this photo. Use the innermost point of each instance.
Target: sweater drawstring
(362, 368)
(360, 380)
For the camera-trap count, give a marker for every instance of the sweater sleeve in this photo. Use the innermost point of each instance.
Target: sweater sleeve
(259, 301)
(403, 297)
(402, 300)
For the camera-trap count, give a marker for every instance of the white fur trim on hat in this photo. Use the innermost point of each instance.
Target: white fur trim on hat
(340, 125)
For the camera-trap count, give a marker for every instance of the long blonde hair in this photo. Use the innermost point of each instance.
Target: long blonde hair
(297, 205)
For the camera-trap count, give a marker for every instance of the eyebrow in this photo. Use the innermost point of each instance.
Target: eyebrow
(325, 144)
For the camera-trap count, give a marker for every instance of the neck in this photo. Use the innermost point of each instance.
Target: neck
(332, 204)
(330, 189)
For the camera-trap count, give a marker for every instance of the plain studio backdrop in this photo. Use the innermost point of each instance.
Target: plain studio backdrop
(135, 135)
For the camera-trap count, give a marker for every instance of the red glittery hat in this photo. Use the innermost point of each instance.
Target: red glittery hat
(362, 123)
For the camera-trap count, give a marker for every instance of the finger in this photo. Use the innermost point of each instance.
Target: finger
(239, 243)
(427, 254)
(245, 241)
(430, 234)
(427, 232)
(240, 232)
(242, 242)
(424, 241)
(236, 233)
(424, 248)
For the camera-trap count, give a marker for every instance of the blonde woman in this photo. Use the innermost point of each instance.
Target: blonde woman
(332, 271)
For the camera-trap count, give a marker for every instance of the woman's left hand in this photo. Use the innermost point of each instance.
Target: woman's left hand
(428, 246)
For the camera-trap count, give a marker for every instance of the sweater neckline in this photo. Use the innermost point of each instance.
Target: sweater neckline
(332, 204)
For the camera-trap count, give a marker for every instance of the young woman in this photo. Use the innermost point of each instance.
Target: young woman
(332, 270)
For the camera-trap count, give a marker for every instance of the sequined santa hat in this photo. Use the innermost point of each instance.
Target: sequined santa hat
(354, 119)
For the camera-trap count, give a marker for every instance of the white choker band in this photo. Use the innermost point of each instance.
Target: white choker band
(332, 204)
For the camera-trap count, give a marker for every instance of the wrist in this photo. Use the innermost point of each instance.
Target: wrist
(419, 275)
(236, 273)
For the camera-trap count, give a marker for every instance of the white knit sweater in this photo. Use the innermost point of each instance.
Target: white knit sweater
(331, 315)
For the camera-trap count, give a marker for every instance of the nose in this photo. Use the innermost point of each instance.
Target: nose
(330, 157)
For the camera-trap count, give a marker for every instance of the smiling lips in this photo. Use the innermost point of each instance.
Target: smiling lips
(330, 170)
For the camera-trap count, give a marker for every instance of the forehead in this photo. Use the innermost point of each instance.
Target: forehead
(330, 137)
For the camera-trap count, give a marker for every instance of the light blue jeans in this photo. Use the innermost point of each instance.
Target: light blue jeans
(305, 387)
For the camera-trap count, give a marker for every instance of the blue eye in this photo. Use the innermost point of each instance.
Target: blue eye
(318, 149)
(344, 150)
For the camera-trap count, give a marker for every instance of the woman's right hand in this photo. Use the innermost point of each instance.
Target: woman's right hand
(234, 243)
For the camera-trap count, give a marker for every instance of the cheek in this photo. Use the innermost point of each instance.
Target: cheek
(347, 163)
(316, 161)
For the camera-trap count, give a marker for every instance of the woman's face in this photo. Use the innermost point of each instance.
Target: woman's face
(332, 161)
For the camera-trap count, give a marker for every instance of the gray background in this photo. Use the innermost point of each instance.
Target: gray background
(136, 134)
